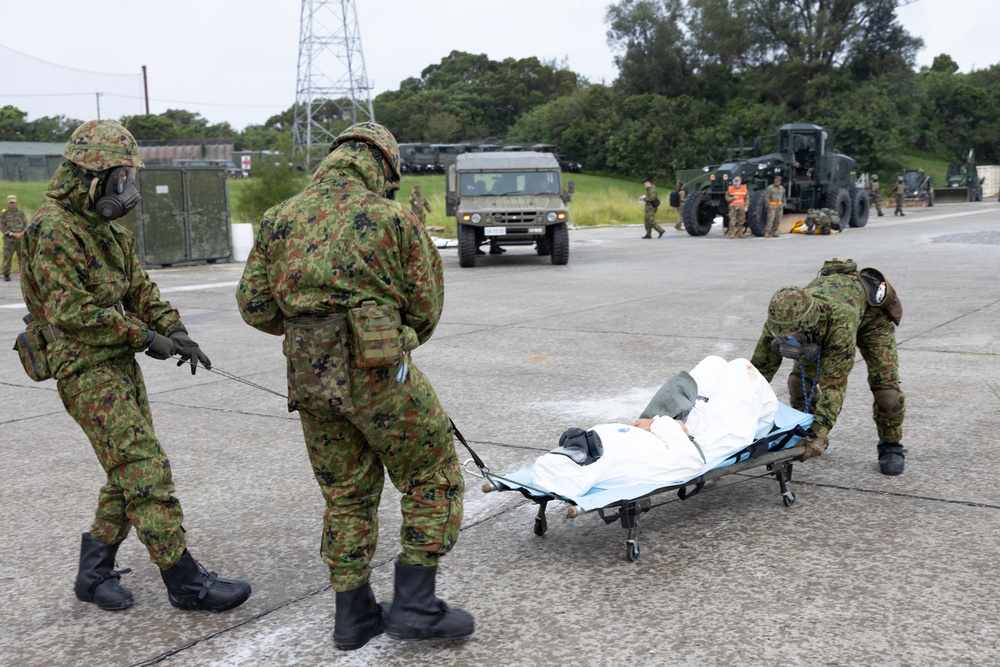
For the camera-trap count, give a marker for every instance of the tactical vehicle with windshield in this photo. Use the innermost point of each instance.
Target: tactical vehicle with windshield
(507, 199)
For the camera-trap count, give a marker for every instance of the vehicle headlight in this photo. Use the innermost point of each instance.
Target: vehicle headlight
(476, 217)
(551, 217)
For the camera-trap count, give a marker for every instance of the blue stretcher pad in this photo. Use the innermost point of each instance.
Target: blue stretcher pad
(786, 430)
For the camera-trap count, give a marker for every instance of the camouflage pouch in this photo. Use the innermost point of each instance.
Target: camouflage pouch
(30, 346)
(316, 349)
(835, 265)
(375, 335)
(881, 294)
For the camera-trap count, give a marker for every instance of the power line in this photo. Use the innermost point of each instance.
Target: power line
(151, 99)
(75, 69)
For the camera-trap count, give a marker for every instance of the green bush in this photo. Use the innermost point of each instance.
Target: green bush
(268, 185)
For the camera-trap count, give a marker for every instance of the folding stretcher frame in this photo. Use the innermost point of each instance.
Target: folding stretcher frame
(776, 450)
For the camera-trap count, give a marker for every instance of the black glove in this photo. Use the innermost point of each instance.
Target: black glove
(189, 351)
(160, 347)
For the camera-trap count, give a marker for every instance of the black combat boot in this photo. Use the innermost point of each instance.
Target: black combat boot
(97, 579)
(890, 458)
(417, 614)
(190, 586)
(358, 618)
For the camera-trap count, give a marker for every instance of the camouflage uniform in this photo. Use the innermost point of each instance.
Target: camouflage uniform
(874, 194)
(650, 221)
(775, 195)
(11, 222)
(419, 205)
(823, 219)
(899, 193)
(840, 319)
(338, 244)
(682, 194)
(737, 196)
(75, 267)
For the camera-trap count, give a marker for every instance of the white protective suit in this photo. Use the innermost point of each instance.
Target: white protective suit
(740, 408)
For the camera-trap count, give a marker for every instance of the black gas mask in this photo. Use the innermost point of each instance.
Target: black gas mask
(116, 193)
(795, 347)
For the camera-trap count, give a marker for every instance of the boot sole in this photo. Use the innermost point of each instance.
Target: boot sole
(196, 607)
(106, 607)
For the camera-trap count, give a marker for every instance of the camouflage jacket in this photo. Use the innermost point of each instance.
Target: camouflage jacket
(651, 196)
(338, 243)
(419, 201)
(12, 221)
(75, 266)
(774, 193)
(843, 306)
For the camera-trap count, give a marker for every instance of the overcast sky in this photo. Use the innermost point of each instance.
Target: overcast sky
(236, 60)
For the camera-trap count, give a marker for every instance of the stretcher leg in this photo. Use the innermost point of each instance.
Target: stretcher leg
(782, 471)
(541, 524)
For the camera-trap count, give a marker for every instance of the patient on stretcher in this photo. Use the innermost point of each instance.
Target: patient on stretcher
(694, 422)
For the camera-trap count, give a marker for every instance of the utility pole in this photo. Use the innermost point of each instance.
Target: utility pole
(145, 88)
(98, 95)
(332, 82)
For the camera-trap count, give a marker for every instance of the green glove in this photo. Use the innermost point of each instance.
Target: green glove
(189, 351)
(159, 347)
(815, 445)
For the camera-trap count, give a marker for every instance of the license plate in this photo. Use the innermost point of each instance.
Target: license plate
(495, 231)
(536, 230)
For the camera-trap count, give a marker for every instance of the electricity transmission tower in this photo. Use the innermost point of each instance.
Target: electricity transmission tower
(331, 82)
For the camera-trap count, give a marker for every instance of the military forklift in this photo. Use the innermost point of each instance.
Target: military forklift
(963, 183)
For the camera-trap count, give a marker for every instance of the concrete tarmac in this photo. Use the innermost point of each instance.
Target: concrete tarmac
(862, 570)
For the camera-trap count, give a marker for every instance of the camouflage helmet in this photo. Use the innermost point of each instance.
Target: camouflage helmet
(376, 135)
(102, 144)
(791, 310)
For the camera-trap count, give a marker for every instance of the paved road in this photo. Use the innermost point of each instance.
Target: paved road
(863, 570)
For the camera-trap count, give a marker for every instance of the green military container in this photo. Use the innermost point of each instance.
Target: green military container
(183, 217)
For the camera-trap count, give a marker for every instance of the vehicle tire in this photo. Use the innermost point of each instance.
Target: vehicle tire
(542, 246)
(757, 213)
(559, 242)
(840, 201)
(467, 244)
(699, 212)
(860, 207)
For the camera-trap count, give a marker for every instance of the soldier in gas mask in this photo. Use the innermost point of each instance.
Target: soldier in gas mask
(82, 281)
(820, 327)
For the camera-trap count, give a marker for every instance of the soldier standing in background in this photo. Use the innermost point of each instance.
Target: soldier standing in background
(419, 205)
(821, 327)
(736, 195)
(681, 198)
(775, 195)
(354, 283)
(80, 276)
(652, 203)
(875, 194)
(12, 226)
(899, 192)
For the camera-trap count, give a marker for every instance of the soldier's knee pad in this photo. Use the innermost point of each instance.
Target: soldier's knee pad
(889, 402)
(796, 396)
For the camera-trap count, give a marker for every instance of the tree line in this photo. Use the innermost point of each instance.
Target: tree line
(695, 79)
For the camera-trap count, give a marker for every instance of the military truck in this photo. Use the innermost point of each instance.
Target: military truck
(508, 198)
(919, 188)
(813, 175)
(963, 183)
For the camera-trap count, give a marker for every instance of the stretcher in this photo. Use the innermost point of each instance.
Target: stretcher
(776, 448)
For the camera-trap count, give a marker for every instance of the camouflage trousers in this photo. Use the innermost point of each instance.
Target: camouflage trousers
(420, 215)
(877, 344)
(10, 248)
(737, 219)
(650, 221)
(774, 214)
(876, 200)
(110, 404)
(396, 427)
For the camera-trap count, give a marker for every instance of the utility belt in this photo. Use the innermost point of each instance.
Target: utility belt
(31, 345)
(777, 203)
(320, 350)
